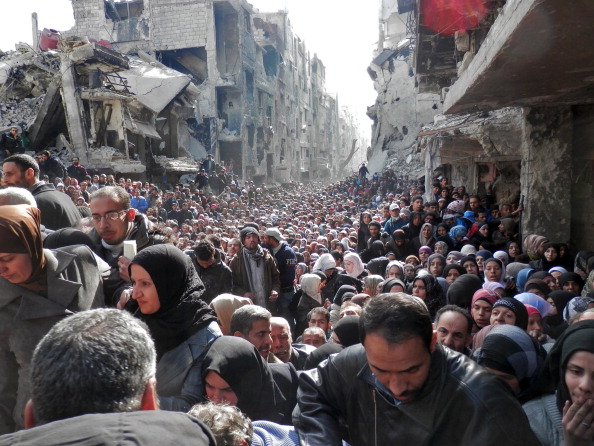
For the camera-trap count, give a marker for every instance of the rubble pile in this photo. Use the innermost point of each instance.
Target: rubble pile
(20, 112)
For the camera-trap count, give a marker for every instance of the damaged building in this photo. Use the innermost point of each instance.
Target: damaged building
(518, 109)
(149, 87)
(402, 105)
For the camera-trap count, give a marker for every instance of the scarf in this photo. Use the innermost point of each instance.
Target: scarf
(239, 363)
(182, 312)
(20, 233)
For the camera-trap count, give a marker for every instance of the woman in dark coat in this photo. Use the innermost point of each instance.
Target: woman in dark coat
(167, 289)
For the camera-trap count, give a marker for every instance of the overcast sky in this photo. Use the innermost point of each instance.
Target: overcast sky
(342, 32)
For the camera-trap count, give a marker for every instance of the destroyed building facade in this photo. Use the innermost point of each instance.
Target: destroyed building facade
(401, 107)
(518, 113)
(154, 85)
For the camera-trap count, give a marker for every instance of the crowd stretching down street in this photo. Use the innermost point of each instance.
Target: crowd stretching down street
(369, 311)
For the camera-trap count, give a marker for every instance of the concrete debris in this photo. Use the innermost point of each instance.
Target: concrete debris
(21, 113)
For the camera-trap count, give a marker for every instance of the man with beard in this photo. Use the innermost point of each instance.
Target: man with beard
(400, 386)
(254, 270)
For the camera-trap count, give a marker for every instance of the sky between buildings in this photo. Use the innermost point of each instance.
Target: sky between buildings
(343, 33)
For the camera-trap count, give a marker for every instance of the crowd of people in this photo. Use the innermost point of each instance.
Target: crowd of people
(366, 311)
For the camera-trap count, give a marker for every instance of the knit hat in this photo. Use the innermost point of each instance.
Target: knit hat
(517, 308)
(248, 230)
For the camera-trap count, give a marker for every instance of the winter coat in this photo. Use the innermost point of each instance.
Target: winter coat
(74, 284)
(459, 404)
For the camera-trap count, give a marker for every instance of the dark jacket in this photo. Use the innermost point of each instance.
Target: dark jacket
(114, 285)
(52, 167)
(144, 427)
(74, 284)
(241, 284)
(57, 209)
(79, 172)
(460, 404)
(217, 278)
(12, 145)
(286, 261)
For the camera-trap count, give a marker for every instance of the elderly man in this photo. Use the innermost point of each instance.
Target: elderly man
(102, 389)
(252, 323)
(57, 209)
(255, 274)
(282, 344)
(400, 386)
(453, 326)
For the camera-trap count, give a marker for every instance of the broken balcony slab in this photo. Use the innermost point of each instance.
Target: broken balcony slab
(141, 128)
(154, 87)
(97, 94)
(92, 56)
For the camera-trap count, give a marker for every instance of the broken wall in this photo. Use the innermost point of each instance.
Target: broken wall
(398, 112)
(582, 180)
(546, 172)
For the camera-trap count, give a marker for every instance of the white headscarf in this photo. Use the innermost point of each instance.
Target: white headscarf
(358, 267)
(310, 284)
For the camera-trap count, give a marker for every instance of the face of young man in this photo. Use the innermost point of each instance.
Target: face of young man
(401, 368)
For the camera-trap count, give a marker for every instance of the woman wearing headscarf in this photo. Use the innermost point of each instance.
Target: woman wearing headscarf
(571, 282)
(584, 263)
(514, 251)
(394, 270)
(576, 306)
(300, 270)
(480, 236)
(342, 294)
(311, 298)
(470, 265)
(224, 305)
(508, 310)
(533, 245)
(564, 415)
(235, 373)
(461, 291)
(441, 247)
(363, 231)
(451, 273)
(413, 228)
(453, 257)
(482, 307)
(435, 264)
(537, 287)
(425, 237)
(457, 234)
(548, 259)
(427, 288)
(38, 287)
(393, 286)
(168, 290)
(494, 271)
(509, 352)
(554, 324)
(523, 277)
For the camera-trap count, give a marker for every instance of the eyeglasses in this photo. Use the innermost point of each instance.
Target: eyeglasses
(109, 216)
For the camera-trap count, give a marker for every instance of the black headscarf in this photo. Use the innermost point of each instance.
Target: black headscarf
(435, 298)
(338, 297)
(461, 291)
(182, 312)
(238, 362)
(388, 284)
(347, 330)
(579, 336)
(566, 277)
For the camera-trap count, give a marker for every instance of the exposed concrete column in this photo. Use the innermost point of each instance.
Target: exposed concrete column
(546, 173)
(74, 109)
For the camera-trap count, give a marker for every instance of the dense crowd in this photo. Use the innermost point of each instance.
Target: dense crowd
(251, 292)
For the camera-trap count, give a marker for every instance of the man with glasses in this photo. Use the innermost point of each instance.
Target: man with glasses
(114, 221)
